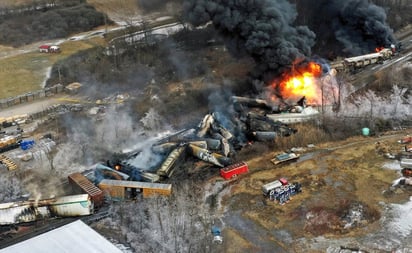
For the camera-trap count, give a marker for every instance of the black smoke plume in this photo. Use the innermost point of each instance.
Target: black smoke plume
(358, 25)
(262, 29)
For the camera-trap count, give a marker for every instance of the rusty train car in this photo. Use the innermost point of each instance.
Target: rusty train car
(81, 184)
(121, 189)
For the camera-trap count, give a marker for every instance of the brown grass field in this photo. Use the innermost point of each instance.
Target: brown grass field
(25, 72)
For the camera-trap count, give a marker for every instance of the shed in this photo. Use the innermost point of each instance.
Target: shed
(121, 189)
(73, 237)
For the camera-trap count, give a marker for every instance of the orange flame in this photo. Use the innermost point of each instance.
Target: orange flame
(301, 81)
(117, 167)
(378, 49)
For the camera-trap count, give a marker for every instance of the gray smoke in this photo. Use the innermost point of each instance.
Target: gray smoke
(262, 29)
(358, 25)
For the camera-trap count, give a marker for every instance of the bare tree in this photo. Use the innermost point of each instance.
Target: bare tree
(179, 223)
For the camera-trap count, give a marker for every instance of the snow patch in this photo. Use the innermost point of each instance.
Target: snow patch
(402, 218)
(392, 165)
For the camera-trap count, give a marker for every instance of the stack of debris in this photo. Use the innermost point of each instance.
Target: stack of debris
(215, 140)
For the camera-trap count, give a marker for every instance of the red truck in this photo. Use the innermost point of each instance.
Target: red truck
(234, 170)
(406, 140)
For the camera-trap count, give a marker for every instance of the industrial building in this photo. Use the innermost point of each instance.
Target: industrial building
(73, 237)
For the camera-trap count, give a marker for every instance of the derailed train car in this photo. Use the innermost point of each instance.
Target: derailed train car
(71, 206)
(356, 62)
(81, 184)
(33, 210)
(21, 212)
(166, 168)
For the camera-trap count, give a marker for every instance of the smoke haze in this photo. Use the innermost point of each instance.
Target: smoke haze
(357, 25)
(262, 29)
(267, 30)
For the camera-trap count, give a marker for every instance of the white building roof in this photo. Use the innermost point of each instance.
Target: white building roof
(73, 237)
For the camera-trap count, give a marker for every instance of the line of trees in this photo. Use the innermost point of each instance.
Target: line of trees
(58, 21)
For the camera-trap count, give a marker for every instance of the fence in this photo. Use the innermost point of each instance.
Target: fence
(31, 96)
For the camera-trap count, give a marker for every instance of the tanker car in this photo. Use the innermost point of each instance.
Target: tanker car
(33, 210)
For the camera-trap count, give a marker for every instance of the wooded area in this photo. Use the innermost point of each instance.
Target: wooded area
(28, 24)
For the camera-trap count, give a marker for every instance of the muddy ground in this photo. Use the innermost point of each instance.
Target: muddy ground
(345, 191)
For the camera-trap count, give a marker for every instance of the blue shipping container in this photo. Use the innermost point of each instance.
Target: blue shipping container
(27, 144)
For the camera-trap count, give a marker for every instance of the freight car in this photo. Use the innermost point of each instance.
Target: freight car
(22, 212)
(357, 62)
(121, 189)
(34, 210)
(72, 206)
(166, 168)
(133, 173)
(234, 170)
(81, 184)
(9, 142)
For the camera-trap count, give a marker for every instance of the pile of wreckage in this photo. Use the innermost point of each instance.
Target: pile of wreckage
(215, 140)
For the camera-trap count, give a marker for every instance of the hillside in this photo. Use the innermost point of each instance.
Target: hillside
(142, 94)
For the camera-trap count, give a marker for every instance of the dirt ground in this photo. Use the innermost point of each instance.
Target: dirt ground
(335, 177)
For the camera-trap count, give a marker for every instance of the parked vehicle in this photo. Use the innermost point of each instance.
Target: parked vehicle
(217, 235)
(406, 140)
(281, 190)
(49, 49)
(267, 188)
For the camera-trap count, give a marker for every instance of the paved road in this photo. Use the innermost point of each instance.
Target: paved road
(31, 107)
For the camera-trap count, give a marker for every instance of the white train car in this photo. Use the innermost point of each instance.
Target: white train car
(21, 212)
(32, 210)
(73, 205)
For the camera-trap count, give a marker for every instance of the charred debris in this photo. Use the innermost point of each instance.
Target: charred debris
(216, 139)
